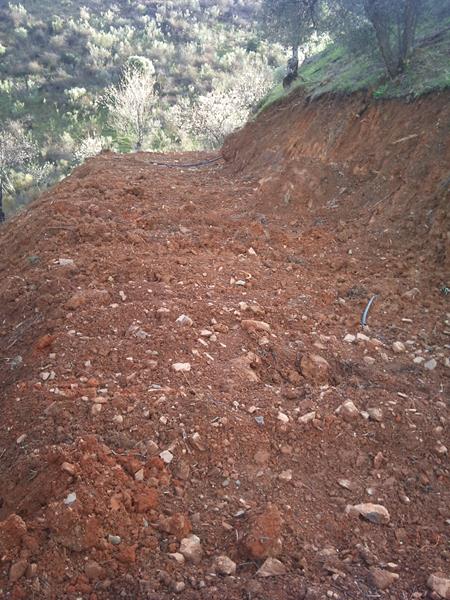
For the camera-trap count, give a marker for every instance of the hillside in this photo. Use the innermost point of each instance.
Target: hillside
(190, 406)
(56, 62)
(343, 68)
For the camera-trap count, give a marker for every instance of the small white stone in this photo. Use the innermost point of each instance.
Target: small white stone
(345, 483)
(122, 295)
(308, 417)
(282, 417)
(349, 338)
(224, 566)
(440, 448)
(369, 360)
(139, 475)
(374, 513)
(430, 365)
(362, 337)
(96, 409)
(184, 321)
(166, 456)
(181, 367)
(179, 558)
(285, 475)
(375, 414)
(271, 568)
(398, 347)
(70, 499)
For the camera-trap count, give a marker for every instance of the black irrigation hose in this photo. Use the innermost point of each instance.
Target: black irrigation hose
(187, 166)
(366, 311)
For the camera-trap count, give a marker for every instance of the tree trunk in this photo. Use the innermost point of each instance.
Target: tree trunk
(380, 23)
(409, 30)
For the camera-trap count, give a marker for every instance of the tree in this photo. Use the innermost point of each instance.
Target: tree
(395, 26)
(16, 150)
(89, 146)
(292, 23)
(209, 118)
(394, 23)
(131, 103)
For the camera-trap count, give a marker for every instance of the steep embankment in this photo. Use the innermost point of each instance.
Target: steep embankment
(175, 344)
(382, 166)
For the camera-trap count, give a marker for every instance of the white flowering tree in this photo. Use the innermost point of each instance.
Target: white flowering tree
(90, 146)
(211, 117)
(16, 150)
(131, 103)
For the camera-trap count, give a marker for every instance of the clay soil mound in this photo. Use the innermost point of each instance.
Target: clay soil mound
(181, 356)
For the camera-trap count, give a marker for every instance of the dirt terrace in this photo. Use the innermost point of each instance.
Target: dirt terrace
(174, 362)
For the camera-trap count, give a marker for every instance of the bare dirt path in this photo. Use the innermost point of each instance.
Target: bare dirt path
(173, 355)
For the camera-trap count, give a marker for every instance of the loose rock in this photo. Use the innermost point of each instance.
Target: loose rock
(181, 367)
(263, 538)
(272, 567)
(375, 414)
(17, 570)
(224, 565)
(250, 324)
(315, 368)
(398, 347)
(347, 411)
(381, 578)
(440, 584)
(191, 549)
(430, 365)
(375, 513)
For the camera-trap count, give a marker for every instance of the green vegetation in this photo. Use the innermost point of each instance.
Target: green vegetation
(58, 59)
(342, 68)
(72, 73)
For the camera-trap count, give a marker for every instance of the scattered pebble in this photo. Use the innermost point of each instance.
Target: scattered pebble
(381, 578)
(184, 321)
(430, 365)
(224, 565)
(375, 414)
(282, 417)
(114, 539)
(398, 347)
(308, 417)
(347, 411)
(70, 499)
(191, 549)
(375, 513)
(272, 567)
(166, 456)
(440, 584)
(181, 367)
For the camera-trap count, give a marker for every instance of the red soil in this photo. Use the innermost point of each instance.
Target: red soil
(335, 208)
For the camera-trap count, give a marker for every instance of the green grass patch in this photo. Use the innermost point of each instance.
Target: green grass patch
(337, 70)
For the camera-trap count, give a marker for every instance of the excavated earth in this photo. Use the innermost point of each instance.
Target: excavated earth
(182, 355)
